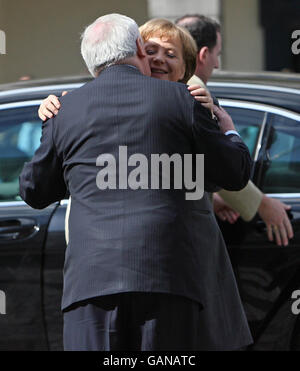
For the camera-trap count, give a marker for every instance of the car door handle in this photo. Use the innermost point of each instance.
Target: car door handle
(290, 214)
(294, 217)
(13, 229)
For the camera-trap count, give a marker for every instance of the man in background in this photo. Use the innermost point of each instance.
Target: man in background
(250, 200)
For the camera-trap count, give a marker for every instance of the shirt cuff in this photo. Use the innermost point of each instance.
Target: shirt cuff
(232, 132)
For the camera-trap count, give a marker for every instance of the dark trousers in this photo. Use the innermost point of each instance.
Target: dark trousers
(133, 322)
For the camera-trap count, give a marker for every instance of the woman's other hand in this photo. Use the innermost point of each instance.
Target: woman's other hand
(223, 210)
(203, 96)
(49, 107)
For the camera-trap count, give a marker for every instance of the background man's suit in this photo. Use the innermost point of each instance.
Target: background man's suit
(150, 241)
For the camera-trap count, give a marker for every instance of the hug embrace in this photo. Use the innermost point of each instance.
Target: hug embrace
(145, 268)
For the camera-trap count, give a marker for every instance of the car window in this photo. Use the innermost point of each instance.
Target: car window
(247, 123)
(20, 133)
(283, 172)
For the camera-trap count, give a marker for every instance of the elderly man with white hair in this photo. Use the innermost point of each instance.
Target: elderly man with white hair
(141, 260)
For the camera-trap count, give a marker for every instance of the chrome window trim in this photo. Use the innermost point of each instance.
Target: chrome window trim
(213, 84)
(13, 203)
(260, 136)
(224, 102)
(283, 195)
(37, 89)
(20, 203)
(253, 86)
(28, 103)
(260, 107)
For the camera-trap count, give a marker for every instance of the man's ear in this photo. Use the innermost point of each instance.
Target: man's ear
(202, 54)
(140, 48)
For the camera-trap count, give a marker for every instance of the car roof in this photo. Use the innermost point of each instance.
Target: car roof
(277, 89)
(286, 98)
(39, 89)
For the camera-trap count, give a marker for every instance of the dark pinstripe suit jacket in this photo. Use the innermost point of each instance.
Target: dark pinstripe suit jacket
(137, 240)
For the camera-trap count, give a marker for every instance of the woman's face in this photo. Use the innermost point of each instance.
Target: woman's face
(165, 58)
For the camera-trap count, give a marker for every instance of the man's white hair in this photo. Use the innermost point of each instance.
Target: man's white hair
(108, 40)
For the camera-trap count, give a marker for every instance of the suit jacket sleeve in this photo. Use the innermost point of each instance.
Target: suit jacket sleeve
(226, 157)
(41, 180)
(246, 201)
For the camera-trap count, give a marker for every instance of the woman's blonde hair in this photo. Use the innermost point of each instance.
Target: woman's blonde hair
(163, 28)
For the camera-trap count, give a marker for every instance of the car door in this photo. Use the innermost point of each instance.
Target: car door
(23, 231)
(267, 274)
(280, 179)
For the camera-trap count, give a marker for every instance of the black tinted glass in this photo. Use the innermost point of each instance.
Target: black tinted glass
(20, 133)
(247, 123)
(283, 174)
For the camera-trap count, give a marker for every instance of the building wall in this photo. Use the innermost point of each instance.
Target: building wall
(172, 9)
(2, 28)
(43, 37)
(243, 38)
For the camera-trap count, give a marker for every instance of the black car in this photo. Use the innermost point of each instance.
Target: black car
(32, 242)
